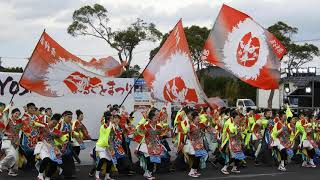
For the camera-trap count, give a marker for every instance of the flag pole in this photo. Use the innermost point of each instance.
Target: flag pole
(143, 71)
(139, 77)
(44, 30)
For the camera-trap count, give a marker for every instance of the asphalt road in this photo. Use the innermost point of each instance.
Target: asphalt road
(251, 172)
(294, 172)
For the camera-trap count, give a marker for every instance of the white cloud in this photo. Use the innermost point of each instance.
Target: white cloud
(23, 21)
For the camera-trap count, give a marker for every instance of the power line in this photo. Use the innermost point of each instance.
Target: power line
(307, 40)
(99, 55)
(81, 55)
(11, 57)
(138, 52)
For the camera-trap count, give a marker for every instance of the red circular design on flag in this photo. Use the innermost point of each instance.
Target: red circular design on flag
(248, 50)
(176, 90)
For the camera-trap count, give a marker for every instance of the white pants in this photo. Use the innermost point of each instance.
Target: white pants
(11, 158)
(188, 148)
(306, 144)
(276, 143)
(103, 153)
(42, 150)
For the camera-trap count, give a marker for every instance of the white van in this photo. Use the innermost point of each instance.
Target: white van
(245, 103)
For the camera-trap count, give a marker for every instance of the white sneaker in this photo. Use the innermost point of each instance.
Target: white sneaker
(12, 173)
(193, 174)
(60, 171)
(312, 165)
(304, 164)
(146, 174)
(224, 171)
(282, 168)
(108, 178)
(235, 170)
(151, 178)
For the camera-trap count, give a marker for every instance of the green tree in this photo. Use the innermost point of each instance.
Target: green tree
(228, 88)
(11, 69)
(133, 71)
(94, 21)
(246, 91)
(215, 86)
(297, 54)
(232, 91)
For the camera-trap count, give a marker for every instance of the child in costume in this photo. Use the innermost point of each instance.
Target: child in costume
(194, 147)
(232, 144)
(47, 151)
(150, 148)
(11, 142)
(281, 141)
(79, 134)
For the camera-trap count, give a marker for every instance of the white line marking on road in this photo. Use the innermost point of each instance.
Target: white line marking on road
(245, 176)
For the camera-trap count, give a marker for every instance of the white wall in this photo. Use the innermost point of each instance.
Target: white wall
(279, 94)
(262, 98)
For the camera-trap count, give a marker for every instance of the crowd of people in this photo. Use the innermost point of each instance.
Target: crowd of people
(51, 143)
(40, 139)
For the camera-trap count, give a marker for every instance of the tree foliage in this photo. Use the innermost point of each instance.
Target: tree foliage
(94, 21)
(297, 54)
(133, 71)
(228, 88)
(11, 69)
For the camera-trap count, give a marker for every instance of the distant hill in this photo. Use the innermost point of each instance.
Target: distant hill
(215, 71)
(11, 69)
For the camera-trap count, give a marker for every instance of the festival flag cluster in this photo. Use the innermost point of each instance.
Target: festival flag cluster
(236, 43)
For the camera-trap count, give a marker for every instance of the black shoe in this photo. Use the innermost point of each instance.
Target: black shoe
(214, 164)
(172, 169)
(244, 164)
(70, 177)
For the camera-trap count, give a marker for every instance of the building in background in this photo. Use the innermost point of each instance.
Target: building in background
(299, 87)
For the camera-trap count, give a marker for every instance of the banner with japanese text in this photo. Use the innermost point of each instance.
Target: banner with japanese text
(53, 71)
(93, 103)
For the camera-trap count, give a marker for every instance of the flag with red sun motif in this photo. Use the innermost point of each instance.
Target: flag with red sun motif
(53, 71)
(241, 46)
(170, 74)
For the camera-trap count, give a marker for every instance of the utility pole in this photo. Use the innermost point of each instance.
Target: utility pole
(313, 94)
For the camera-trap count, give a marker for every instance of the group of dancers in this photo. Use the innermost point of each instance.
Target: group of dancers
(40, 139)
(51, 142)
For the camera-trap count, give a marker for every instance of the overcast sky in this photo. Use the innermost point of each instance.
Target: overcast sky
(22, 22)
